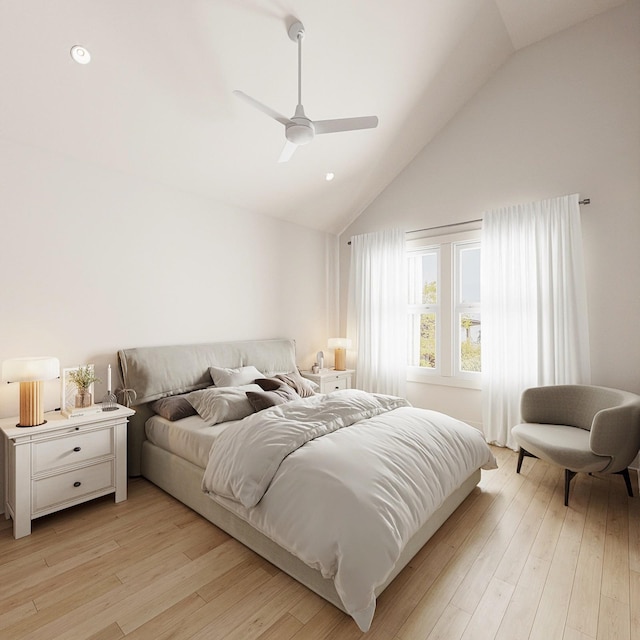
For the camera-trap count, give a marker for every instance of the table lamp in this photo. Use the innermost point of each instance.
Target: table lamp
(30, 373)
(340, 357)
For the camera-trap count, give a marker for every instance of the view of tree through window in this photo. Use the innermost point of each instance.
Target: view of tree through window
(428, 340)
(470, 352)
(423, 301)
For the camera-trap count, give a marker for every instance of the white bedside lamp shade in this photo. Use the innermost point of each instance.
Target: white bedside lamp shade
(30, 373)
(340, 345)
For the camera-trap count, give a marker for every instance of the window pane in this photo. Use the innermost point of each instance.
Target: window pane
(423, 276)
(429, 278)
(470, 334)
(428, 340)
(470, 275)
(422, 340)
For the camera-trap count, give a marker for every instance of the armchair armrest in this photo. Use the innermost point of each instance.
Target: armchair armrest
(615, 432)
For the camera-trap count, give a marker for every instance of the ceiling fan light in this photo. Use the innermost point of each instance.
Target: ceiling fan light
(299, 133)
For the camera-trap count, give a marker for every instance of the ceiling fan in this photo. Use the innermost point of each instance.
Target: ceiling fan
(299, 129)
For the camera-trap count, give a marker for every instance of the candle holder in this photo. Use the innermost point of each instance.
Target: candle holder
(109, 402)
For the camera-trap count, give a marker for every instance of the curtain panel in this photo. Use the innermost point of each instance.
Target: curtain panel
(534, 307)
(376, 315)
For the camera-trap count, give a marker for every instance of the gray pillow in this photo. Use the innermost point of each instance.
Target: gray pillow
(269, 384)
(222, 404)
(303, 387)
(271, 396)
(173, 408)
(264, 399)
(224, 377)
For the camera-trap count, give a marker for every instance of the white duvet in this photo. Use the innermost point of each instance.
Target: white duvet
(343, 481)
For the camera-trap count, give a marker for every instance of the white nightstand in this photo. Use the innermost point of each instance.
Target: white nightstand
(330, 380)
(62, 463)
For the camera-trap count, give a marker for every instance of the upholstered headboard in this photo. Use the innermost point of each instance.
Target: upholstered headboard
(158, 372)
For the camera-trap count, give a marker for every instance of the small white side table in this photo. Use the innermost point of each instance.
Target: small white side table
(63, 462)
(330, 380)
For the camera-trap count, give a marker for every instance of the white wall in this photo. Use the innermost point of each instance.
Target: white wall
(561, 116)
(92, 261)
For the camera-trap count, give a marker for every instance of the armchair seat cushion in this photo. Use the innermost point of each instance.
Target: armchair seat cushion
(562, 445)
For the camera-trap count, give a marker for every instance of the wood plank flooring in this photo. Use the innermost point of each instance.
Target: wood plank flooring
(511, 563)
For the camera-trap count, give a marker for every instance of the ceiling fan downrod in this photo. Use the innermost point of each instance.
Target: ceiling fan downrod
(301, 130)
(296, 33)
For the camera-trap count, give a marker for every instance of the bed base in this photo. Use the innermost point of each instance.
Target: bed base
(182, 479)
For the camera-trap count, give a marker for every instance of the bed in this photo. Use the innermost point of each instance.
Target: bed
(285, 480)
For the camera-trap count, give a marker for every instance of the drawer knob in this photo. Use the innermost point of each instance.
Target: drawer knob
(76, 448)
(77, 484)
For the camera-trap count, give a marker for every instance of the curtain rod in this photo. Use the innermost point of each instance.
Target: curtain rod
(457, 224)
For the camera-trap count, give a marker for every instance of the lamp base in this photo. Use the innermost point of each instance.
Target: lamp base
(31, 407)
(26, 426)
(340, 359)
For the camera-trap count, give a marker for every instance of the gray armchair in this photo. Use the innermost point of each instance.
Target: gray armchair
(580, 428)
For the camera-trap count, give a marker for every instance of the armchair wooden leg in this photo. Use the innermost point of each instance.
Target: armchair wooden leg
(568, 477)
(521, 454)
(627, 480)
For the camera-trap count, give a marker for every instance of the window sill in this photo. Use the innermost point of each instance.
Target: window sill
(444, 381)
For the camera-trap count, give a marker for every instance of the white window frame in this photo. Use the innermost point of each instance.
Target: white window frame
(447, 371)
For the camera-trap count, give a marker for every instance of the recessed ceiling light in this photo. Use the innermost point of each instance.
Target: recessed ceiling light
(329, 176)
(80, 54)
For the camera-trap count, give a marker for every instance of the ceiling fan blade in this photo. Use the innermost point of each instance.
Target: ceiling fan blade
(287, 151)
(262, 107)
(345, 124)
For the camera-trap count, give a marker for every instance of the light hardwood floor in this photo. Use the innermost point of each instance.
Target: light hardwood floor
(512, 562)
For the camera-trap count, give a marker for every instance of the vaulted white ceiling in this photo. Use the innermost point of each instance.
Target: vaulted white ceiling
(156, 101)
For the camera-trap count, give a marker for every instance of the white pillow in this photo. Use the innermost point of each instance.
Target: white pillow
(234, 377)
(224, 404)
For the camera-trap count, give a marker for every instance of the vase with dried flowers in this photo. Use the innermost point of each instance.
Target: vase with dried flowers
(83, 378)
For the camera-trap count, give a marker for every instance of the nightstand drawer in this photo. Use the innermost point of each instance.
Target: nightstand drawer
(77, 447)
(72, 485)
(334, 384)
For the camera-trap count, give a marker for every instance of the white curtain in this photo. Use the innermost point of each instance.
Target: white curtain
(534, 307)
(376, 318)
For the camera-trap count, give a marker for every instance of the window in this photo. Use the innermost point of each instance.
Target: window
(444, 315)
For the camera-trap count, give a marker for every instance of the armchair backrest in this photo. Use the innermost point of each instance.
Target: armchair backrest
(573, 405)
